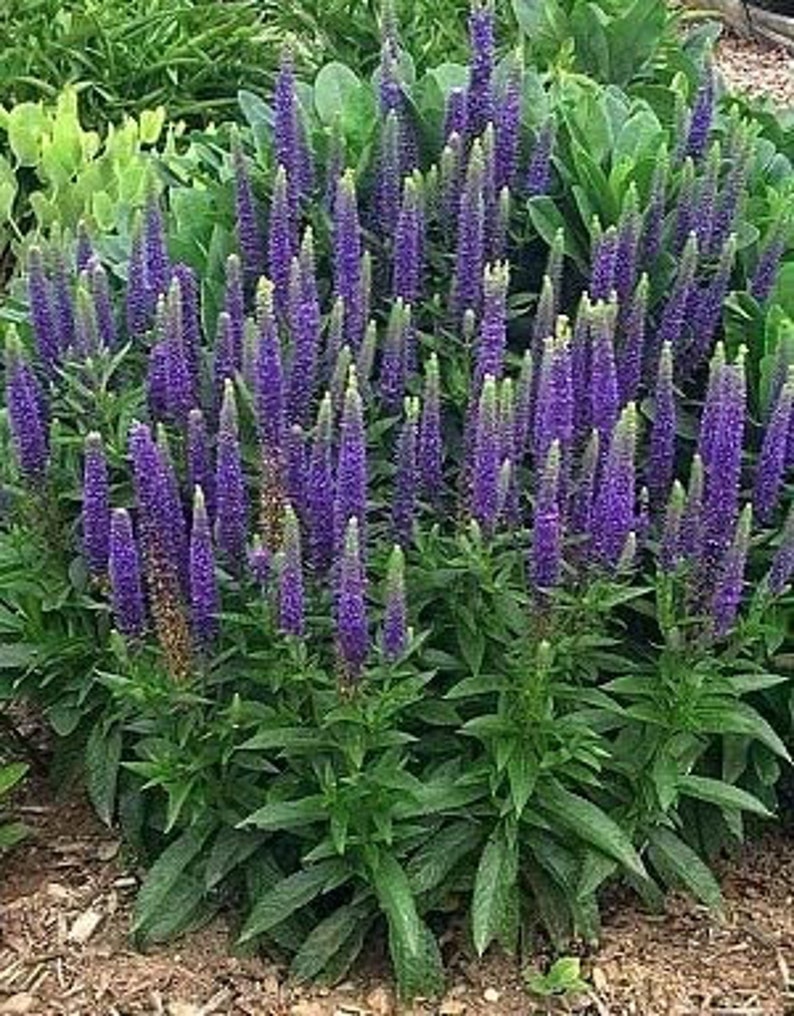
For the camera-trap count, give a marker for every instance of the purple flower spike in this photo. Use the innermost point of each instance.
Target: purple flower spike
(546, 564)
(393, 362)
(632, 351)
(234, 306)
(296, 468)
(26, 413)
(662, 454)
(479, 106)
(395, 624)
(782, 566)
(200, 472)
(765, 275)
(87, 339)
(770, 471)
(138, 309)
(493, 330)
(709, 306)
(707, 192)
(431, 448)
(85, 249)
(124, 569)
(62, 302)
(692, 522)
(613, 511)
(231, 513)
(162, 522)
(602, 275)
(387, 198)
(291, 618)
(686, 217)
(405, 480)
(180, 391)
(450, 183)
(157, 265)
(96, 506)
(365, 360)
(280, 240)
(305, 327)
(583, 499)
(204, 599)
(654, 213)
(157, 381)
(351, 474)
(347, 252)
(408, 245)
(485, 478)
(702, 114)
(554, 403)
(580, 366)
(628, 244)
(226, 363)
(191, 324)
(320, 490)
(268, 375)
(545, 317)
(508, 124)
(455, 114)
(249, 238)
(352, 633)
(523, 407)
(673, 318)
(605, 399)
(730, 581)
(671, 550)
(290, 144)
(539, 171)
(341, 372)
(42, 312)
(103, 304)
(470, 250)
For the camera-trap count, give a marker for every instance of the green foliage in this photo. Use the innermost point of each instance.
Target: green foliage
(11, 832)
(562, 978)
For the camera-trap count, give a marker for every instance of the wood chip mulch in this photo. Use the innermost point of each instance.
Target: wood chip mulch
(65, 900)
(757, 68)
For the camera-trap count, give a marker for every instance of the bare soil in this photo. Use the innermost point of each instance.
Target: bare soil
(65, 899)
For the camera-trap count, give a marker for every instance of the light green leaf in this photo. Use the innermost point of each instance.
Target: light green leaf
(721, 794)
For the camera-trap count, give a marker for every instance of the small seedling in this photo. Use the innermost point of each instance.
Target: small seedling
(563, 978)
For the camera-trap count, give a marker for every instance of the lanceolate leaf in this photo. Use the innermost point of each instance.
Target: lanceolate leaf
(102, 757)
(289, 895)
(722, 794)
(678, 862)
(494, 901)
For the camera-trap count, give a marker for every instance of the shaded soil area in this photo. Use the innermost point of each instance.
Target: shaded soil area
(65, 900)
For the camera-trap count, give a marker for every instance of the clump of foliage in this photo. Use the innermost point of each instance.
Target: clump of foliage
(393, 548)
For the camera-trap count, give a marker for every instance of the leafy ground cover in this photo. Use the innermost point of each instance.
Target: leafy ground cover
(396, 511)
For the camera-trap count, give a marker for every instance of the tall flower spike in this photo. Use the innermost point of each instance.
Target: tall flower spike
(765, 274)
(158, 267)
(686, 216)
(173, 514)
(269, 378)
(730, 581)
(707, 192)
(653, 221)
(231, 513)
(450, 184)
(157, 380)
(180, 393)
(673, 318)
(351, 474)
(523, 407)
(487, 460)
(539, 171)
(352, 633)
(470, 248)
(87, 339)
(320, 490)
(455, 114)
(493, 330)
(26, 413)
(733, 190)
(395, 624)
(138, 311)
(771, 467)
(692, 522)
(670, 551)
(583, 497)
(546, 563)
(280, 240)
(85, 249)
(103, 304)
(782, 566)
(191, 323)
(508, 123)
(305, 326)
(408, 245)
(296, 469)
(387, 193)
(431, 449)
(393, 361)
(335, 334)
(291, 609)
(405, 480)
(347, 253)
(124, 569)
(96, 506)
(580, 366)
(200, 472)
(289, 136)
(605, 252)
(613, 511)
(41, 312)
(702, 114)
(555, 264)
(662, 454)
(545, 316)
(365, 360)
(502, 227)
(479, 104)
(62, 302)
(554, 403)
(632, 351)
(234, 306)
(341, 372)
(248, 236)
(204, 599)
(628, 243)
(605, 398)
(226, 362)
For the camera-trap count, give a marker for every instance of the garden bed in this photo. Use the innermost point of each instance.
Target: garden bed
(66, 901)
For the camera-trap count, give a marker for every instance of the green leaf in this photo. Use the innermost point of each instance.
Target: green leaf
(102, 759)
(167, 870)
(493, 906)
(680, 866)
(740, 718)
(231, 848)
(290, 738)
(723, 795)
(592, 825)
(428, 868)
(183, 909)
(287, 814)
(528, 14)
(10, 775)
(328, 938)
(11, 834)
(290, 894)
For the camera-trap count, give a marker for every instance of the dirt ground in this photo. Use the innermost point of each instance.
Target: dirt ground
(758, 68)
(65, 900)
